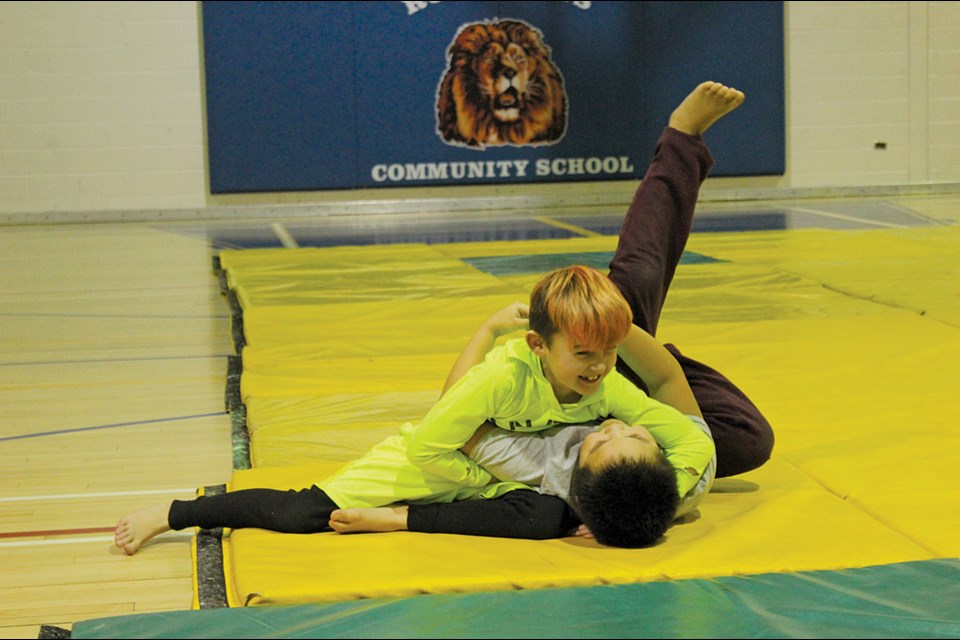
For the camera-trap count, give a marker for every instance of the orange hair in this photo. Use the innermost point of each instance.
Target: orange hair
(582, 302)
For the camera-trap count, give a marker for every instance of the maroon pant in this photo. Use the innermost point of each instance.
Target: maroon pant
(652, 239)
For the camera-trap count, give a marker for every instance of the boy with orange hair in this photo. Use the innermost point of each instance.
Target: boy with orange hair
(563, 371)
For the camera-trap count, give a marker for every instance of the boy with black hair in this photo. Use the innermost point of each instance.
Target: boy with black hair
(626, 501)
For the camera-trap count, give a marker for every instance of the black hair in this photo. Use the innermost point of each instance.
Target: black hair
(626, 503)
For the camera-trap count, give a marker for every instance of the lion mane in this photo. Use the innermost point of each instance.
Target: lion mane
(501, 88)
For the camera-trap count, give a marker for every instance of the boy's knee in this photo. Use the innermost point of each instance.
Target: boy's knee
(304, 511)
(750, 453)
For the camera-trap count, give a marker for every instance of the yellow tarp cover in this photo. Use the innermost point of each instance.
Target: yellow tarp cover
(848, 340)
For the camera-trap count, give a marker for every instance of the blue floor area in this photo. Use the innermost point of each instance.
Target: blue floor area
(363, 229)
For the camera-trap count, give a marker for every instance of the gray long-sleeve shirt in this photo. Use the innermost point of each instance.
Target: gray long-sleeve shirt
(545, 460)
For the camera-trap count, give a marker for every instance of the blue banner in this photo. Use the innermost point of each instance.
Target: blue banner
(307, 96)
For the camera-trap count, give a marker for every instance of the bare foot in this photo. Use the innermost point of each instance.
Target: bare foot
(706, 104)
(377, 519)
(135, 529)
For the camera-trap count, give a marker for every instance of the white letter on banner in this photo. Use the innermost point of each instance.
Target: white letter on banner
(415, 171)
(413, 7)
(437, 171)
(476, 169)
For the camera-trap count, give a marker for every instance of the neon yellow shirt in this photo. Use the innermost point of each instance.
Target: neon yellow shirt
(509, 389)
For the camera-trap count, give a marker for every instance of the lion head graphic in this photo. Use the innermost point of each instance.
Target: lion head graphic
(501, 88)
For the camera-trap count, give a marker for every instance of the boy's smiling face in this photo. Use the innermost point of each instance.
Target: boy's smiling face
(573, 372)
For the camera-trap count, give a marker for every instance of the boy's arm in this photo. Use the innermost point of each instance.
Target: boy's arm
(450, 424)
(516, 514)
(511, 318)
(686, 446)
(659, 370)
(688, 449)
(454, 419)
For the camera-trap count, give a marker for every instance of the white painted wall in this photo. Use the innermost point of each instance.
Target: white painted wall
(859, 73)
(101, 106)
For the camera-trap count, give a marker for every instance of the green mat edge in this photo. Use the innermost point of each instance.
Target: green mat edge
(904, 600)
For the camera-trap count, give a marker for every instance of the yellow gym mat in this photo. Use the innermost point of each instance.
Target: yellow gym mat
(849, 341)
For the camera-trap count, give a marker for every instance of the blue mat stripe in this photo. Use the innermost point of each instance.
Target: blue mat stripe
(520, 264)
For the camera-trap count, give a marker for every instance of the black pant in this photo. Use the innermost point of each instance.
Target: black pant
(303, 511)
(520, 514)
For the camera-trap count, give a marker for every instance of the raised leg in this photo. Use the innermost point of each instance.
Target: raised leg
(652, 239)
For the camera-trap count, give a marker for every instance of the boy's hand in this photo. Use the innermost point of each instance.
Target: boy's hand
(513, 317)
(583, 532)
